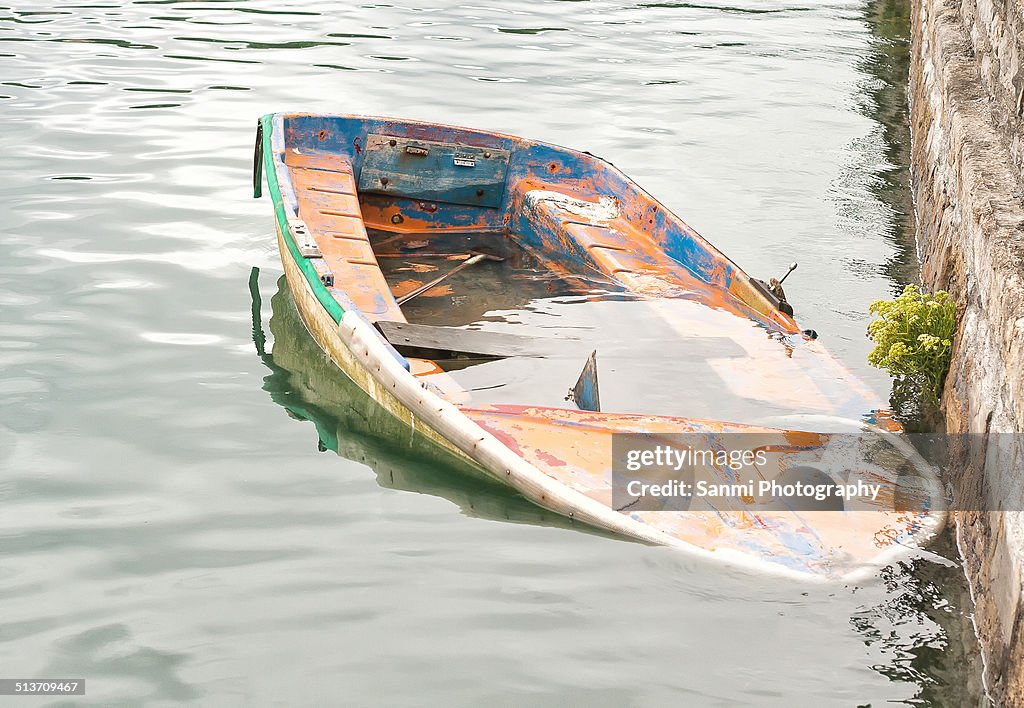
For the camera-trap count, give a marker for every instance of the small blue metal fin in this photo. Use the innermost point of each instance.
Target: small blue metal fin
(585, 392)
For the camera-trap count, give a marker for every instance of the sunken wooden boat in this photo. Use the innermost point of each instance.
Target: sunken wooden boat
(419, 254)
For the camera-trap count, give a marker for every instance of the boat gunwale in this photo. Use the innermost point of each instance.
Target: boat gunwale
(320, 291)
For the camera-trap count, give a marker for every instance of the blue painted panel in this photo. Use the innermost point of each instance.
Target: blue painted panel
(433, 171)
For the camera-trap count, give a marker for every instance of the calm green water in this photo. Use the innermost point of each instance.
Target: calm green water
(171, 530)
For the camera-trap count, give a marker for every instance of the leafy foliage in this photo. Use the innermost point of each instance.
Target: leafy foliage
(914, 338)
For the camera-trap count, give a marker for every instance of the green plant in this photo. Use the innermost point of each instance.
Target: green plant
(913, 339)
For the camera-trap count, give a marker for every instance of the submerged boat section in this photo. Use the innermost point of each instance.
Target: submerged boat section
(514, 261)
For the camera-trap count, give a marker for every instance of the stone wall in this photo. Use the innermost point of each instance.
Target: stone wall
(967, 98)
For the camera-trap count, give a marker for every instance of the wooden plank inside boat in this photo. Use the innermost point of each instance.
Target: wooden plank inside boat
(430, 342)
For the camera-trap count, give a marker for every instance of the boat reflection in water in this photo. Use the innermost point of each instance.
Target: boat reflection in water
(309, 387)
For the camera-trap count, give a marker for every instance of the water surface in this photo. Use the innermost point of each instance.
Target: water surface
(177, 526)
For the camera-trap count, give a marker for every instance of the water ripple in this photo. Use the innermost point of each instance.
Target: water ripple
(174, 517)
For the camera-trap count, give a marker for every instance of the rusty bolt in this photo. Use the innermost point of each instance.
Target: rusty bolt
(392, 143)
(479, 192)
(384, 181)
(397, 219)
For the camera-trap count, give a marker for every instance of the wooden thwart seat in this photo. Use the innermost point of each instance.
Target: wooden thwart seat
(325, 188)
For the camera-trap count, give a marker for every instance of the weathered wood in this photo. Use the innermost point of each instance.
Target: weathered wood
(434, 342)
(430, 342)
(434, 171)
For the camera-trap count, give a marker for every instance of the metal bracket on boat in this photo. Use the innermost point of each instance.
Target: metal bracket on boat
(773, 291)
(308, 247)
(776, 285)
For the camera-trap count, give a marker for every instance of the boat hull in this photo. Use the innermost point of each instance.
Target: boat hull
(481, 437)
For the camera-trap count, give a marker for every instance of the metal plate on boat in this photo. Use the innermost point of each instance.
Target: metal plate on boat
(308, 246)
(434, 171)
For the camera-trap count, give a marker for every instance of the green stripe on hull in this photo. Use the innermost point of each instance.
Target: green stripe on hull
(312, 277)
